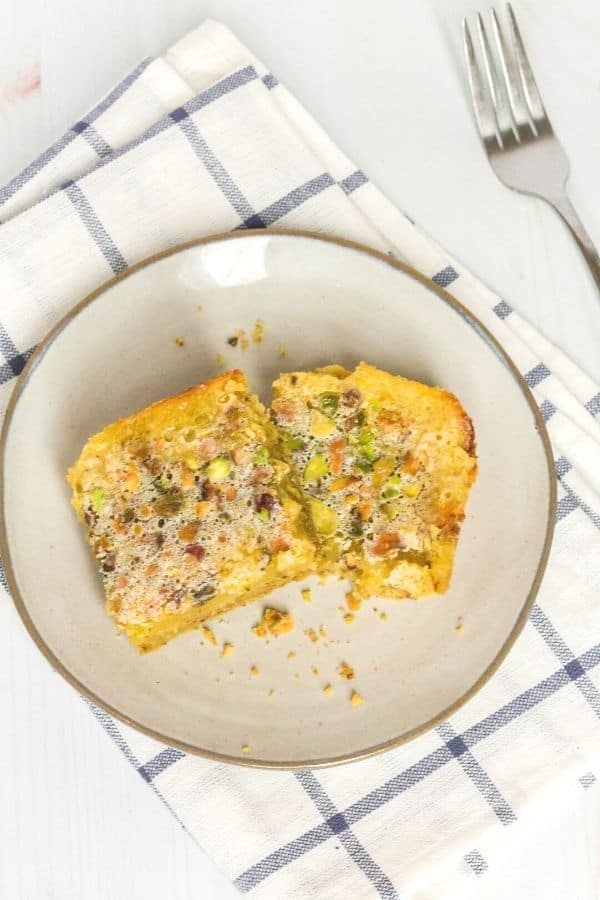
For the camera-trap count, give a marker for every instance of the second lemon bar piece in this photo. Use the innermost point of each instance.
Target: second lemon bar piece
(385, 464)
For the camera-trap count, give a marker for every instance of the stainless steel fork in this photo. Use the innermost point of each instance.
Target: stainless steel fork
(514, 127)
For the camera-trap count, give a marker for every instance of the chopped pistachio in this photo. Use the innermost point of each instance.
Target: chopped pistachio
(369, 452)
(321, 425)
(316, 468)
(329, 402)
(262, 456)
(293, 442)
(97, 499)
(391, 488)
(323, 518)
(218, 469)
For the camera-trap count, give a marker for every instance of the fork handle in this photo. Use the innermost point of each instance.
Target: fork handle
(567, 212)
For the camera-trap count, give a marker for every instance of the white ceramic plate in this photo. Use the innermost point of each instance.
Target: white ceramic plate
(323, 301)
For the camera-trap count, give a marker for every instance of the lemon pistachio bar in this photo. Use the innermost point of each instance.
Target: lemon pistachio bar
(385, 465)
(189, 510)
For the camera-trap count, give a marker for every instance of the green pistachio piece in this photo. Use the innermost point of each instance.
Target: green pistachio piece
(218, 469)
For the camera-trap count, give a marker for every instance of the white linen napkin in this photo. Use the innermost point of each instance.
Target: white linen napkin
(206, 140)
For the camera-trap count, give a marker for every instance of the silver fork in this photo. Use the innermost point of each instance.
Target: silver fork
(514, 127)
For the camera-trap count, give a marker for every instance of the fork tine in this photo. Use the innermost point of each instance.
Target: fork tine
(495, 85)
(518, 107)
(530, 89)
(484, 114)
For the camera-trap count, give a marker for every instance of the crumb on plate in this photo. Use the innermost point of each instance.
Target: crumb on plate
(312, 635)
(228, 650)
(242, 338)
(328, 690)
(349, 618)
(258, 331)
(314, 670)
(345, 671)
(281, 351)
(356, 699)
(209, 635)
(254, 671)
(306, 595)
(291, 654)
(274, 622)
(245, 748)
(383, 616)
(220, 360)
(180, 341)
(459, 627)
(353, 602)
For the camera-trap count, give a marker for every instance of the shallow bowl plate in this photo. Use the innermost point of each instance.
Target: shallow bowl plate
(322, 301)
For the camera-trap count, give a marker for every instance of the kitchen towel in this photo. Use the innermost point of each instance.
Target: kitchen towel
(206, 140)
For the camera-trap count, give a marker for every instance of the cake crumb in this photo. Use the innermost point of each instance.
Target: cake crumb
(209, 635)
(242, 338)
(233, 340)
(228, 650)
(296, 674)
(272, 692)
(199, 307)
(306, 595)
(349, 618)
(328, 690)
(356, 699)
(322, 631)
(258, 331)
(312, 635)
(459, 627)
(383, 616)
(180, 342)
(245, 748)
(281, 351)
(353, 602)
(314, 670)
(291, 654)
(345, 671)
(274, 622)
(254, 671)
(220, 360)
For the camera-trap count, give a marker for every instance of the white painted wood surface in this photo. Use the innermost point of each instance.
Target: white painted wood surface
(386, 79)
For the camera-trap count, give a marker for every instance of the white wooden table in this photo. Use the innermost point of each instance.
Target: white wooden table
(386, 79)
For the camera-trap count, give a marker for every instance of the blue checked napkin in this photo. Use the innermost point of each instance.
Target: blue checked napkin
(206, 140)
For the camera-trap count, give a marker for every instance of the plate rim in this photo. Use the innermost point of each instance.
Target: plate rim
(216, 756)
